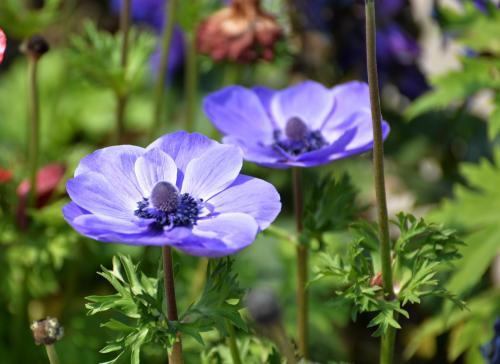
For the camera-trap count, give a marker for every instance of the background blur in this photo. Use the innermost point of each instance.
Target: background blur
(440, 76)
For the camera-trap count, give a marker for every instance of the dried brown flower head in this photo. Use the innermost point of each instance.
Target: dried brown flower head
(240, 32)
(47, 331)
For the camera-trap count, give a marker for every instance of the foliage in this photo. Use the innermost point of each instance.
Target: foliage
(420, 253)
(97, 56)
(330, 204)
(142, 319)
(20, 21)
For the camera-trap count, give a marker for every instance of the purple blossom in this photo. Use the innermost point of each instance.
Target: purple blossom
(183, 190)
(150, 12)
(304, 125)
(491, 350)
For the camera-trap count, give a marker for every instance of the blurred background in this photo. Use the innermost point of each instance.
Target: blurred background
(439, 71)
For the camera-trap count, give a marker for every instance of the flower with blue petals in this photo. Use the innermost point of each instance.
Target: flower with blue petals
(302, 126)
(491, 351)
(184, 190)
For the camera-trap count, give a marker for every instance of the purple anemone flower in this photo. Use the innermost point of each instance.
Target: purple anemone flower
(304, 125)
(183, 190)
(149, 12)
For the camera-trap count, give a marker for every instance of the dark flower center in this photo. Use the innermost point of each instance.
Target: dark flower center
(168, 208)
(298, 138)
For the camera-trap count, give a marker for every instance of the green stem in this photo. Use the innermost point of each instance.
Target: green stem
(278, 335)
(33, 105)
(51, 353)
(168, 271)
(302, 267)
(235, 353)
(387, 347)
(121, 95)
(168, 30)
(191, 83)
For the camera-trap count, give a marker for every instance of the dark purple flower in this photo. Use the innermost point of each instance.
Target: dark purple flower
(491, 351)
(395, 46)
(304, 125)
(149, 12)
(183, 190)
(176, 54)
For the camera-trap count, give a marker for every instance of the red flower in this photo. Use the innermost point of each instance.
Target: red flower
(239, 32)
(5, 175)
(3, 44)
(47, 180)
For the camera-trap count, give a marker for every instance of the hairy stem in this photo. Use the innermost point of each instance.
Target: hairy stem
(302, 267)
(51, 353)
(121, 96)
(34, 140)
(388, 339)
(166, 41)
(168, 271)
(278, 334)
(233, 347)
(191, 83)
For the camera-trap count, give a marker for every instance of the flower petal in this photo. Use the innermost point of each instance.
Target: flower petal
(221, 235)
(238, 111)
(350, 98)
(93, 192)
(309, 101)
(116, 164)
(251, 196)
(261, 154)
(212, 172)
(183, 147)
(152, 167)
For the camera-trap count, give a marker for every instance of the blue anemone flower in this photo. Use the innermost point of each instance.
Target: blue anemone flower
(183, 190)
(304, 125)
(491, 350)
(150, 12)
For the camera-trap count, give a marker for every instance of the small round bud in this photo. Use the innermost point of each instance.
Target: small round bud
(35, 47)
(165, 197)
(296, 129)
(47, 331)
(263, 306)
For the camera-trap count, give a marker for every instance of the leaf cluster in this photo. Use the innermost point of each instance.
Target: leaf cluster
(96, 55)
(140, 305)
(420, 253)
(20, 21)
(139, 300)
(220, 301)
(330, 205)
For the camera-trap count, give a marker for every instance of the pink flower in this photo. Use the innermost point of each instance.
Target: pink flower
(3, 44)
(47, 180)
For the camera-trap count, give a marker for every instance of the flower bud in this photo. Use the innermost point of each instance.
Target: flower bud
(47, 331)
(263, 306)
(35, 47)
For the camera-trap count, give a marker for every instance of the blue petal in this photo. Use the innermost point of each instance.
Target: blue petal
(212, 172)
(153, 167)
(221, 235)
(237, 111)
(116, 164)
(93, 192)
(310, 101)
(183, 147)
(251, 196)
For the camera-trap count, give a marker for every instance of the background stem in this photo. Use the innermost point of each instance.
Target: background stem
(51, 353)
(176, 355)
(121, 95)
(191, 83)
(168, 31)
(235, 353)
(387, 347)
(34, 140)
(302, 267)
